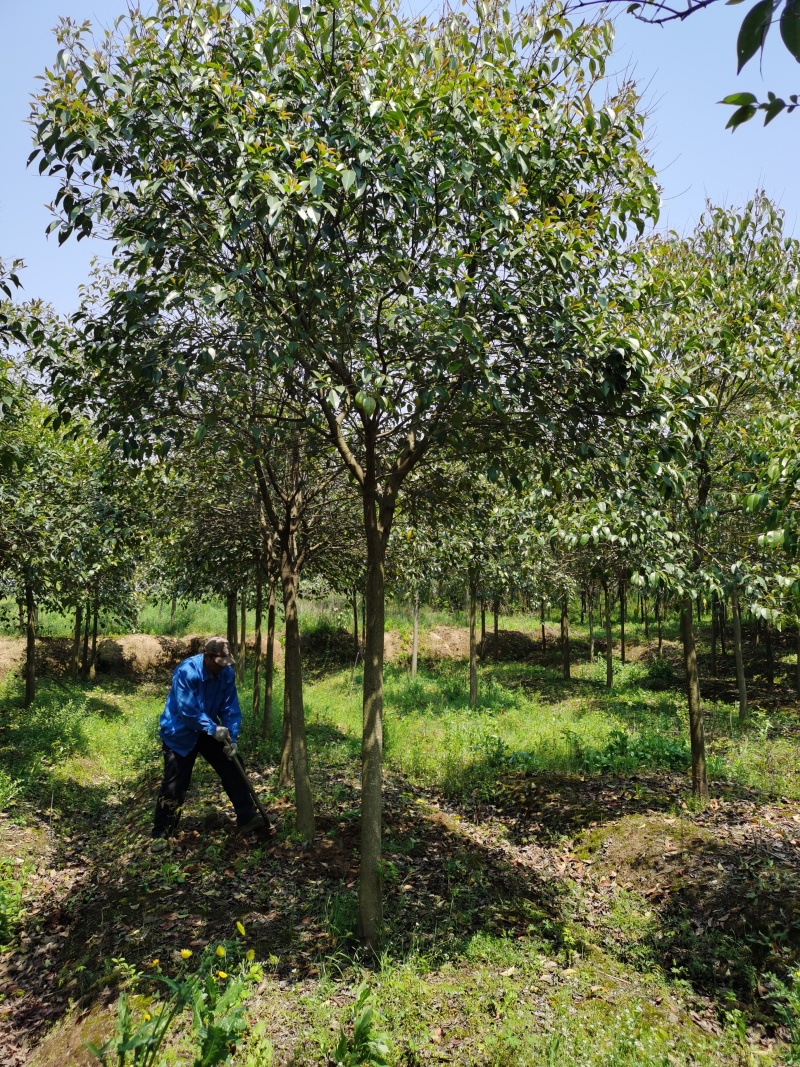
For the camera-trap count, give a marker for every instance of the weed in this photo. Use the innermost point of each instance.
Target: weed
(12, 882)
(365, 1046)
(786, 998)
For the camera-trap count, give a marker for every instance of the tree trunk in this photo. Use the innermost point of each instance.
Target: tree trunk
(565, 637)
(738, 655)
(696, 732)
(242, 659)
(722, 648)
(257, 655)
(646, 616)
(583, 605)
(544, 635)
(473, 649)
(85, 658)
(75, 662)
(622, 607)
(30, 644)
(590, 606)
(305, 822)
(233, 641)
(714, 602)
(285, 771)
(269, 666)
(496, 610)
(769, 649)
(483, 626)
(609, 645)
(797, 668)
(356, 643)
(660, 624)
(95, 614)
(172, 609)
(370, 890)
(415, 637)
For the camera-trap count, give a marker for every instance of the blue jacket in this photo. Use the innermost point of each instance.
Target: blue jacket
(199, 700)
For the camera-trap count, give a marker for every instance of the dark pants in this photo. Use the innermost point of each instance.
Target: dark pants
(178, 775)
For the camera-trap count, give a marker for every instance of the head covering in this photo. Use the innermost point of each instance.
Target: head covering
(219, 650)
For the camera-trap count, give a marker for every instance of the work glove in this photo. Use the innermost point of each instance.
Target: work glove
(229, 746)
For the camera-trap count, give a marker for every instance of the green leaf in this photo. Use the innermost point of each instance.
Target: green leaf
(200, 432)
(739, 99)
(348, 179)
(753, 32)
(790, 27)
(742, 114)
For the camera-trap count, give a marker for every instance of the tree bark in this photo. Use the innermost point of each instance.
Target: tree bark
(590, 606)
(741, 682)
(660, 623)
(285, 770)
(75, 661)
(269, 665)
(370, 890)
(696, 731)
(259, 606)
(609, 645)
(473, 649)
(305, 821)
(544, 635)
(85, 658)
(415, 637)
(565, 637)
(714, 609)
(483, 626)
(797, 667)
(230, 602)
(356, 644)
(242, 660)
(95, 614)
(721, 613)
(646, 616)
(769, 649)
(496, 610)
(583, 605)
(30, 644)
(172, 609)
(622, 607)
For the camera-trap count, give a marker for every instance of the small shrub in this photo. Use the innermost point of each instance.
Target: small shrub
(11, 885)
(659, 673)
(365, 1047)
(628, 752)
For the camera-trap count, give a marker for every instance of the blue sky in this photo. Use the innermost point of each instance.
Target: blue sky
(682, 69)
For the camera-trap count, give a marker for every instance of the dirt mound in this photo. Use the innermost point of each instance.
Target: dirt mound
(512, 645)
(12, 653)
(393, 646)
(143, 653)
(445, 642)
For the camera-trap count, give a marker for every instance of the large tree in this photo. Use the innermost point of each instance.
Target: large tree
(421, 225)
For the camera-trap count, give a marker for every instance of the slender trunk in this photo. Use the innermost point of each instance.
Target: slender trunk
(583, 605)
(285, 770)
(544, 635)
(172, 609)
(230, 602)
(660, 624)
(74, 665)
(565, 637)
(415, 637)
(85, 658)
(30, 644)
(370, 890)
(768, 648)
(722, 610)
(257, 655)
(483, 626)
(714, 603)
(242, 660)
(699, 611)
(590, 606)
(269, 665)
(364, 618)
(496, 610)
(95, 614)
(797, 667)
(609, 646)
(622, 606)
(696, 732)
(473, 648)
(646, 615)
(356, 643)
(305, 822)
(738, 655)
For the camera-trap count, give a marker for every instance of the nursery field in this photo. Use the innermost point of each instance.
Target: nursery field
(554, 894)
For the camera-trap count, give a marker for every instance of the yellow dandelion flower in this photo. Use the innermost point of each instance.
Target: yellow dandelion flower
(147, 1016)
(250, 955)
(240, 928)
(220, 950)
(186, 953)
(222, 974)
(154, 963)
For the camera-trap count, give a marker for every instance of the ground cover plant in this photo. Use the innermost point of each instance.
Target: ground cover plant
(553, 892)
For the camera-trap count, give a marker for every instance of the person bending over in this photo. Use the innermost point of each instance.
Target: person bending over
(202, 717)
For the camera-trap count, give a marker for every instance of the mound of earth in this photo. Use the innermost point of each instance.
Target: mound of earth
(512, 645)
(145, 653)
(446, 642)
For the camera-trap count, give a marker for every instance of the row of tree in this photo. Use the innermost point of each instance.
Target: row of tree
(376, 274)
